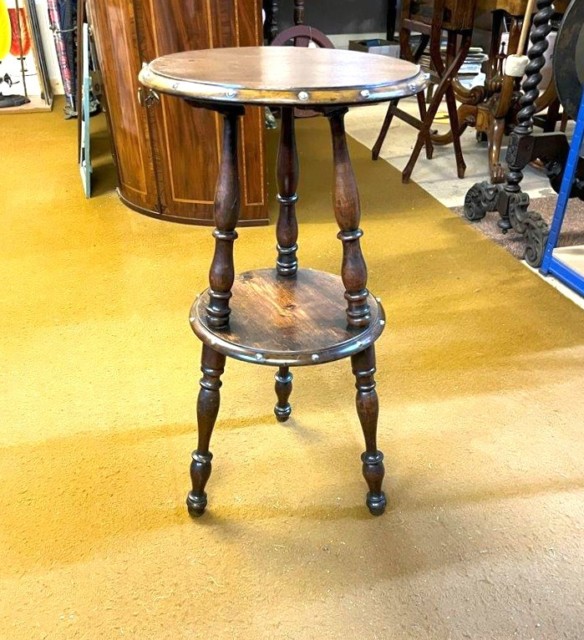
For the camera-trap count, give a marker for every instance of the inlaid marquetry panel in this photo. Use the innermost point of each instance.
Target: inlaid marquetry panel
(169, 151)
(188, 138)
(117, 49)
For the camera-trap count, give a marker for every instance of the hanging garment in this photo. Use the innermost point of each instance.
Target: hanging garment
(62, 17)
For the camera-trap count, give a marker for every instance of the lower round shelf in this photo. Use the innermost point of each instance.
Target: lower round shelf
(282, 321)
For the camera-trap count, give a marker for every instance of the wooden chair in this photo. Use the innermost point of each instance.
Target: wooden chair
(454, 18)
(301, 35)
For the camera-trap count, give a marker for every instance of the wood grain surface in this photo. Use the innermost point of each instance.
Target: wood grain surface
(283, 75)
(167, 153)
(287, 321)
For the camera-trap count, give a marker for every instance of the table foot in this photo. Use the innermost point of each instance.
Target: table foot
(200, 472)
(373, 472)
(283, 389)
(376, 504)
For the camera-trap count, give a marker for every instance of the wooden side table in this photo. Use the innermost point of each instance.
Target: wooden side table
(285, 316)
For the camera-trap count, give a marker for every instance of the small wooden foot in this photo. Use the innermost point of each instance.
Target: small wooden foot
(200, 472)
(373, 472)
(283, 389)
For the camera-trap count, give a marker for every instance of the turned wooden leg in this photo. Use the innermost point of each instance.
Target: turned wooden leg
(368, 410)
(283, 391)
(212, 366)
(348, 215)
(226, 211)
(287, 227)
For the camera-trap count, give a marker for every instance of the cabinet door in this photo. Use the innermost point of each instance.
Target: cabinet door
(187, 139)
(113, 26)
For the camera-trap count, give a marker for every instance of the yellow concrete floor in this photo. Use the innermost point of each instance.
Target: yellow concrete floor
(480, 382)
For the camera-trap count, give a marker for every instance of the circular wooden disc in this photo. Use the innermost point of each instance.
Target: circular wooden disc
(283, 75)
(287, 321)
(569, 59)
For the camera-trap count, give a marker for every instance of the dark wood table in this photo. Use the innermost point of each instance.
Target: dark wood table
(285, 316)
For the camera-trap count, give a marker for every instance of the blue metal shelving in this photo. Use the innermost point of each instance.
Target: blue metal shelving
(552, 263)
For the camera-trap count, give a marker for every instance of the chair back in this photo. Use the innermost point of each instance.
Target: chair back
(302, 36)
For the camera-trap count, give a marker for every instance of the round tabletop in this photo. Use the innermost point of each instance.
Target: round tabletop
(299, 76)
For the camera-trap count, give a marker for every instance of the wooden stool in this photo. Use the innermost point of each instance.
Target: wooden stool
(455, 17)
(285, 317)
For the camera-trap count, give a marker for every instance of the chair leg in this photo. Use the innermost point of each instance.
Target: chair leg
(451, 101)
(441, 89)
(384, 129)
(422, 108)
(414, 57)
(420, 142)
(455, 127)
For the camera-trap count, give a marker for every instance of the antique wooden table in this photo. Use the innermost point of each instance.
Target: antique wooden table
(285, 316)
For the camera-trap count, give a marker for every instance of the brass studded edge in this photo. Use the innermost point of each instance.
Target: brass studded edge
(215, 340)
(204, 92)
